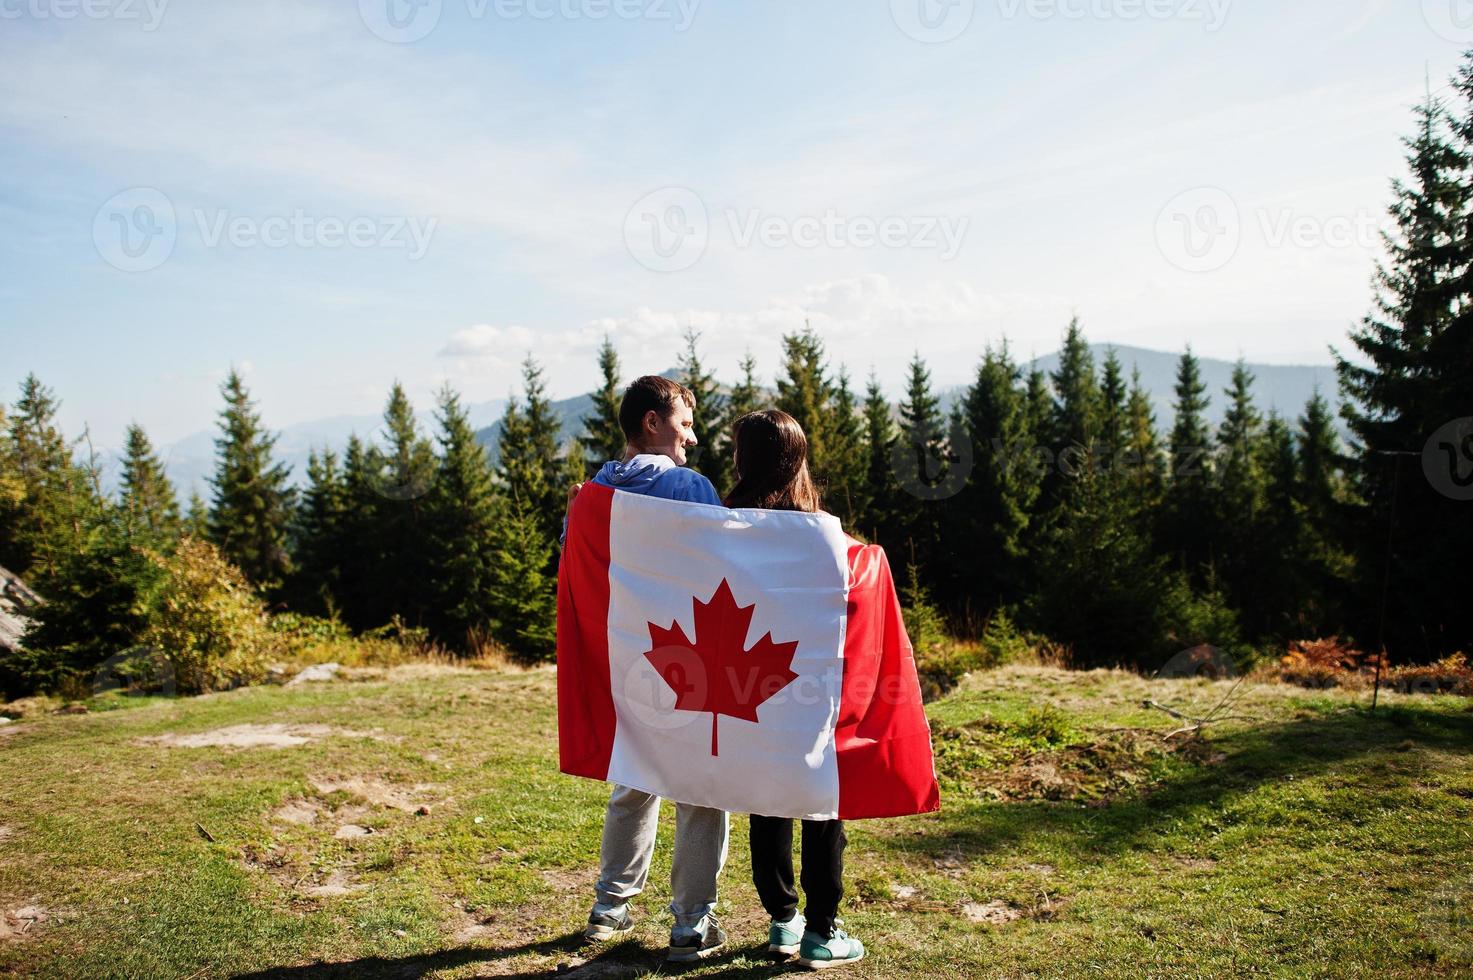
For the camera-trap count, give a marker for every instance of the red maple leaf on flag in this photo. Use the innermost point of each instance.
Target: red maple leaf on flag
(713, 672)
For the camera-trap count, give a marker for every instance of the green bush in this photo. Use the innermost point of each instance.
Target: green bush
(207, 623)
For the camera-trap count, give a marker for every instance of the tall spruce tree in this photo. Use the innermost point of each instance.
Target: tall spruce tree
(1076, 414)
(361, 554)
(43, 478)
(712, 455)
(1114, 413)
(746, 395)
(848, 490)
(1243, 550)
(530, 466)
(990, 521)
(1187, 517)
(602, 437)
(461, 514)
(1283, 597)
(148, 499)
(405, 471)
(250, 508)
(523, 586)
(1408, 383)
(804, 392)
(318, 536)
(923, 469)
(1141, 462)
(878, 520)
(196, 517)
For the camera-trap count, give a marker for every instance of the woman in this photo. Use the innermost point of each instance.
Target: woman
(771, 456)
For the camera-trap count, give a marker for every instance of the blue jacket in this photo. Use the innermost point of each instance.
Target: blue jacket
(657, 476)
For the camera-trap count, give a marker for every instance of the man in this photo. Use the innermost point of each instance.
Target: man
(656, 416)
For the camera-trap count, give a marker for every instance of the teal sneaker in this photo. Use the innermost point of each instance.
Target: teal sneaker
(819, 953)
(786, 937)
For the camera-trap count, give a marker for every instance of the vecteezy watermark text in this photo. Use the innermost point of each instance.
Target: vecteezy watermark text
(1201, 230)
(303, 230)
(669, 230)
(137, 229)
(406, 21)
(149, 13)
(1210, 13)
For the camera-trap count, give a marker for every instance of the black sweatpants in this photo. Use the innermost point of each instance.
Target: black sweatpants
(823, 869)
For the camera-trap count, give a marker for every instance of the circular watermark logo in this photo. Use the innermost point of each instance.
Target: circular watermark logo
(668, 230)
(1200, 230)
(652, 696)
(1447, 460)
(933, 21)
(1447, 921)
(1451, 20)
(135, 230)
(400, 21)
(392, 485)
(139, 668)
(928, 470)
(1204, 660)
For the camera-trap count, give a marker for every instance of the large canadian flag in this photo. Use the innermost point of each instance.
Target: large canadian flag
(749, 660)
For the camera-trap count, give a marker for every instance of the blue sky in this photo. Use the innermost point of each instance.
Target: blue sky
(1051, 158)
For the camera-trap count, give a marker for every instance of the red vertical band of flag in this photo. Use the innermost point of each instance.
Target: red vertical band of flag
(882, 741)
(585, 702)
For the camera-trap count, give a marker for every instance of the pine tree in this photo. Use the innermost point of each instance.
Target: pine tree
(1407, 384)
(746, 395)
(523, 589)
(1321, 501)
(1114, 412)
(923, 466)
(1141, 463)
(43, 477)
(196, 517)
(462, 522)
(148, 498)
(878, 519)
(1282, 591)
(1076, 415)
(1187, 514)
(405, 469)
(530, 465)
(318, 535)
(848, 492)
(1242, 548)
(712, 455)
(360, 552)
(804, 392)
(251, 505)
(992, 513)
(602, 437)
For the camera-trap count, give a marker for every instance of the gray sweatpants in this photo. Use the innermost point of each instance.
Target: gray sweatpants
(701, 836)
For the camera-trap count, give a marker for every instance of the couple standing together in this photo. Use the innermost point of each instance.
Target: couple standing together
(771, 459)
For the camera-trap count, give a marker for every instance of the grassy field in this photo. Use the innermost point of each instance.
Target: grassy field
(1306, 839)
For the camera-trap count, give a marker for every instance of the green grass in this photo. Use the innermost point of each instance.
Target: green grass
(1310, 840)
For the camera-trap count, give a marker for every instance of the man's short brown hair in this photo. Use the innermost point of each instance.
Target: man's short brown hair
(650, 393)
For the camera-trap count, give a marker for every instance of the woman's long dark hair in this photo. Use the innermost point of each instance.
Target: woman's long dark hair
(772, 464)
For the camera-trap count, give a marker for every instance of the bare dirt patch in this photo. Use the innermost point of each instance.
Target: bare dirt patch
(298, 812)
(17, 924)
(995, 913)
(337, 884)
(408, 799)
(248, 736)
(6, 731)
(6, 832)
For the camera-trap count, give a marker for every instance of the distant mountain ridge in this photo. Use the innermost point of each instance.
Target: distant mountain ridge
(1283, 387)
(1286, 388)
